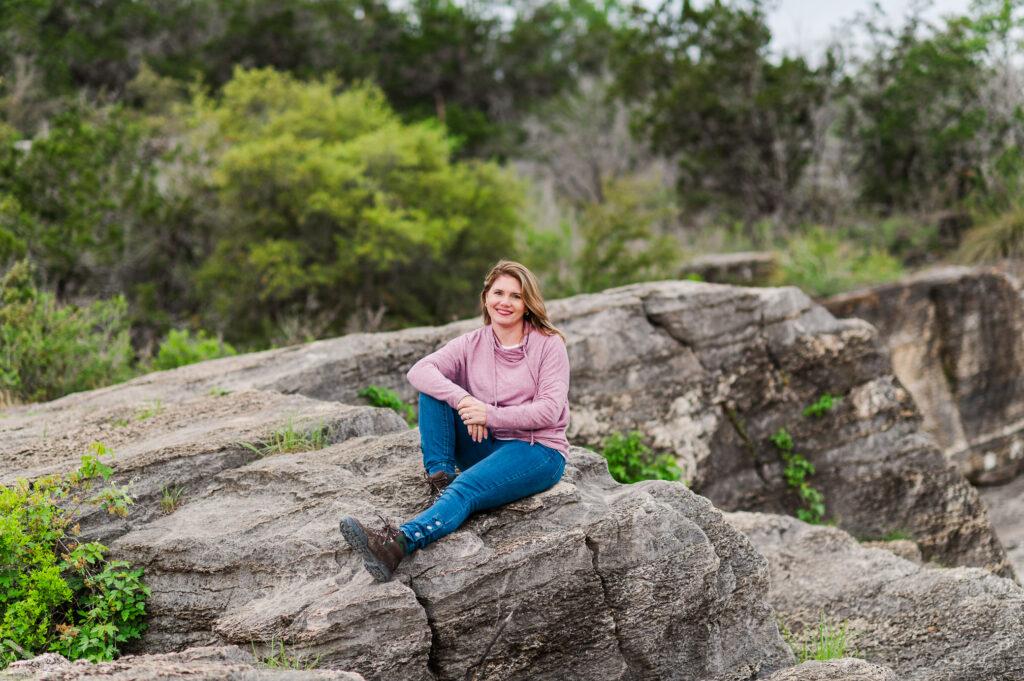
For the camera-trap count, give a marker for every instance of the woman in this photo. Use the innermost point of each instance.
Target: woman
(493, 402)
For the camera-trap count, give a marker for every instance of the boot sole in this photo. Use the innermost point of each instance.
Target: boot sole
(356, 538)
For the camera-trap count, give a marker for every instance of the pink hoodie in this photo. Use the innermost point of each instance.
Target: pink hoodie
(526, 388)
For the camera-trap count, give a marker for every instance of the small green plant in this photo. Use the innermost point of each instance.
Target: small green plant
(171, 498)
(796, 473)
(389, 399)
(280, 658)
(58, 593)
(629, 460)
(827, 643)
(141, 414)
(823, 263)
(216, 391)
(824, 405)
(181, 348)
(291, 437)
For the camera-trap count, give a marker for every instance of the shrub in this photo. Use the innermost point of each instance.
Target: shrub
(388, 398)
(629, 460)
(56, 592)
(1000, 236)
(823, 264)
(181, 348)
(49, 350)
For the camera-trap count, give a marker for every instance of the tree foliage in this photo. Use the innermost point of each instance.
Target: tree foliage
(738, 123)
(332, 207)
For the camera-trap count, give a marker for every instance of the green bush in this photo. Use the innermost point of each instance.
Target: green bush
(999, 236)
(181, 348)
(49, 350)
(56, 592)
(629, 460)
(385, 397)
(823, 264)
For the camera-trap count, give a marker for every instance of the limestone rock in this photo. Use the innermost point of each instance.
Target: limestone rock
(843, 669)
(956, 335)
(744, 269)
(706, 372)
(227, 663)
(1006, 509)
(927, 624)
(589, 580)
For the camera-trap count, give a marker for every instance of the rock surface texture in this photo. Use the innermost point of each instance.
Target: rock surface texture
(957, 341)
(706, 372)
(925, 623)
(589, 580)
(227, 663)
(844, 669)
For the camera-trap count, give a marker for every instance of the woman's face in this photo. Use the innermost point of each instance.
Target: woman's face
(505, 302)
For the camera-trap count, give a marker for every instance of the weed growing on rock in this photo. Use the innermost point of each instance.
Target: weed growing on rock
(824, 405)
(279, 658)
(292, 437)
(58, 593)
(141, 414)
(629, 460)
(171, 498)
(216, 391)
(387, 398)
(796, 471)
(825, 643)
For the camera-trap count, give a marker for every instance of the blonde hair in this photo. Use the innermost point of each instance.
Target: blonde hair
(536, 312)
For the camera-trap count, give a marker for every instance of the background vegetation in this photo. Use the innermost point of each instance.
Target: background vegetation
(184, 181)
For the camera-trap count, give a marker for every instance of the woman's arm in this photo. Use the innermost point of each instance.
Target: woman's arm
(433, 374)
(549, 402)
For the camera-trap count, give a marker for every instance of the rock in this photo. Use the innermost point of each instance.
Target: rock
(843, 669)
(706, 372)
(227, 663)
(743, 269)
(1006, 509)
(598, 578)
(956, 336)
(589, 580)
(927, 624)
(904, 548)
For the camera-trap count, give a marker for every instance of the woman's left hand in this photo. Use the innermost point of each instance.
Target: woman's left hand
(473, 412)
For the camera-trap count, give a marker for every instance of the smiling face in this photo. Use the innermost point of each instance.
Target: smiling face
(504, 301)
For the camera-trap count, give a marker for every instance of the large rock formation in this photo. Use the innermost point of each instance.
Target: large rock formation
(956, 336)
(926, 623)
(589, 580)
(227, 663)
(708, 373)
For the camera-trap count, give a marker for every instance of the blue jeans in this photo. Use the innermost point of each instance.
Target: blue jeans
(494, 472)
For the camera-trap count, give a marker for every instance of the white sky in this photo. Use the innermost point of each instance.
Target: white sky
(804, 27)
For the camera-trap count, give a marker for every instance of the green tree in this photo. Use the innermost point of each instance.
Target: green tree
(334, 212)
(916, 117)
(739, 124)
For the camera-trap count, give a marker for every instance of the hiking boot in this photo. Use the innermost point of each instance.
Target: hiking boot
(435, 484)
(382, 550)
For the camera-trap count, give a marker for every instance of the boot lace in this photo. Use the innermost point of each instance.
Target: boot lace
(388, 531)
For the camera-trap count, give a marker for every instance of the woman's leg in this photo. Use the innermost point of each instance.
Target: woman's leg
(514, 470)
(445, 439)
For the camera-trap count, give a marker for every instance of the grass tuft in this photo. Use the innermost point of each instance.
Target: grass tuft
(824, 643)
(291, 437)
(280, 658)
(171, 498)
